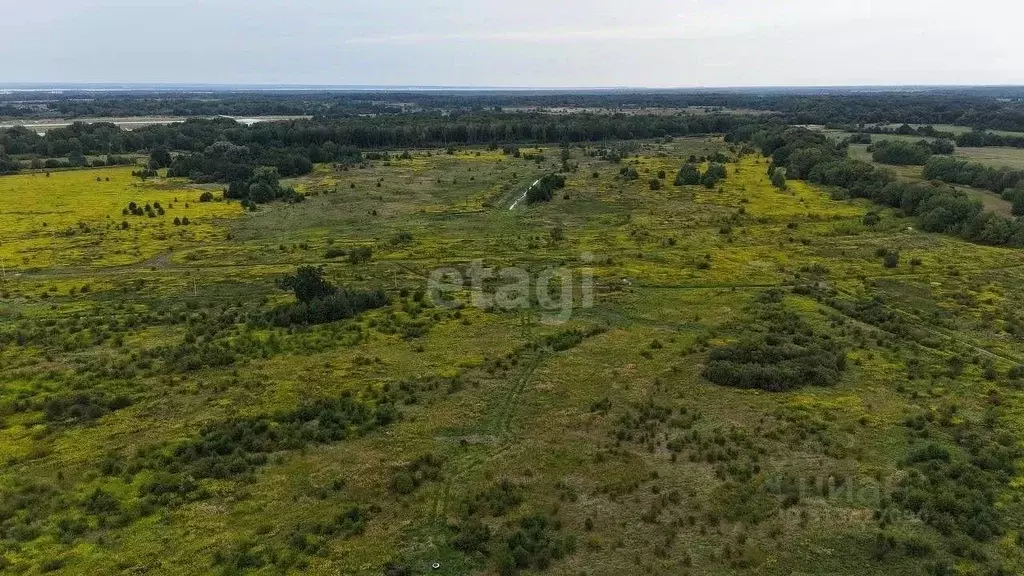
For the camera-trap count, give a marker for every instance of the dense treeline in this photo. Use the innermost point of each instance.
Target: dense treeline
(7, 165)
(474, 121)
(226, 162)
(992, 107)
(900, 153)
(980, 138)
(809, 155)
(904, 129)
(162, 103)
(973, 174)
(214, 148)
(319, 136)
(81, 138)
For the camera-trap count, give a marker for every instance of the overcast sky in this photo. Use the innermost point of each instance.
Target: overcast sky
(541, 43)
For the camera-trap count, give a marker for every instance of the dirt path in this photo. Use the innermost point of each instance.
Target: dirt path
(523, 197)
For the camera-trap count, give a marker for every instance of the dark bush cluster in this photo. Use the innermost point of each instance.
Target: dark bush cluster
(360, 255)
(981, 138)
(234, 448)
(7, 164)
(497, 500)
(864, 131)
(780, 352)
(151, 210)
(714, 173)
(261, 185)
(406, 478)
(536, 543)
(545, 188)
(298, 544)
(690, 175)
(340, 305)
(563, 340)
(312, 538)
(82, 406)
(320, 302)
(532, 542)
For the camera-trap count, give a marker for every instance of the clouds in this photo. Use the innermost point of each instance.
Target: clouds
(652, 20)
(525, 43)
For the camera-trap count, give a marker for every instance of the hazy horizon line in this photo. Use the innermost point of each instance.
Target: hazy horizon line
(178, 86)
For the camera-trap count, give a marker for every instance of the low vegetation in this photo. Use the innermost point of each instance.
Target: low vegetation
(777, 360)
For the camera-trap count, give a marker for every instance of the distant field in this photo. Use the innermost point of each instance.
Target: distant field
(989, 200)
(841, 134)
(955, 129)
(994, 156)
(964, 129)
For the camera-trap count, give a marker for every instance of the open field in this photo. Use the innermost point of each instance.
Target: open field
(964, 129)
(956, 130)
(74, 218)
(841, 134)
(152, 422)
(994, 156)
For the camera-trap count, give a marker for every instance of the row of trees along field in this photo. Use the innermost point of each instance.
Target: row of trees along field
(980, 138)
(983, 107)
(406, 131)
(809, 155)
(971, 139)
(1006, 182)
(221, 150)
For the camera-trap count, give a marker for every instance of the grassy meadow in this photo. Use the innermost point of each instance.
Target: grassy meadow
(131, 357)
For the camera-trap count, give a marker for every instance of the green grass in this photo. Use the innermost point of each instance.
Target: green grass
(676, 270)
(964, 129)
(994, 156)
